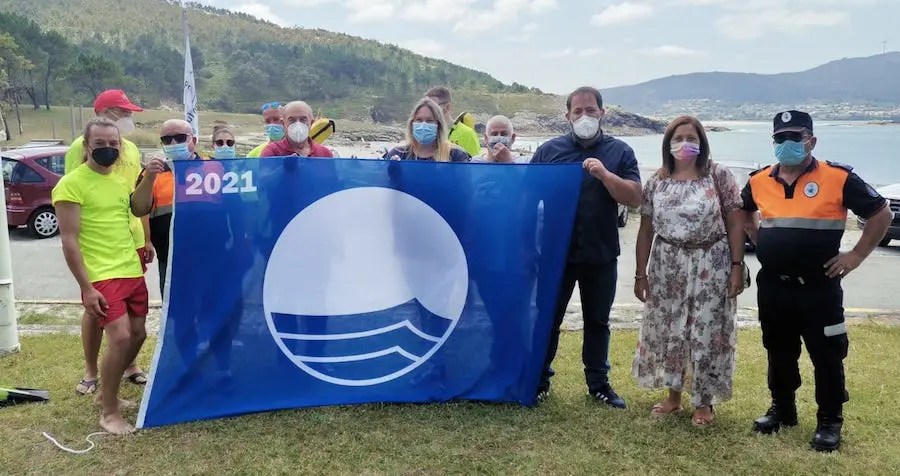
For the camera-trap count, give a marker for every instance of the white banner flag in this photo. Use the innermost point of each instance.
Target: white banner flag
(190, 89)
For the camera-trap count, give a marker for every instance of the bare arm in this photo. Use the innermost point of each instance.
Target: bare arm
(751, 225)
(624, 191)
(735, 224)
(644, 243)
(142, 198)
(69, 215)
(876, 226)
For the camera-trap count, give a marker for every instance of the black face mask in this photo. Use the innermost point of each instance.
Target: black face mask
(105, 156)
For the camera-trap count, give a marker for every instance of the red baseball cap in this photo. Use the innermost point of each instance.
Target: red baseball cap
(114, 98)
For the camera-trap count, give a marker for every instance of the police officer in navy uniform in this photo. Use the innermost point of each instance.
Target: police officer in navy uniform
(802, 204)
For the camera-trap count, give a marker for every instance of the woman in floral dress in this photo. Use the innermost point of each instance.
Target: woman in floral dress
(690, 215)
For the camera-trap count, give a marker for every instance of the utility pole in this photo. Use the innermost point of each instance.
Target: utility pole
(884, 47)
(9, 333)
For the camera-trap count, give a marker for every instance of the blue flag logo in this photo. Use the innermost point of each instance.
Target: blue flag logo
(299, 282)
(372, 293)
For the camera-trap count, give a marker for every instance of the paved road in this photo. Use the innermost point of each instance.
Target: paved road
(40, 273)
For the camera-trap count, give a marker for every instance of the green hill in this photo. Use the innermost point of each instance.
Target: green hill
(842, 88)
(78, 47)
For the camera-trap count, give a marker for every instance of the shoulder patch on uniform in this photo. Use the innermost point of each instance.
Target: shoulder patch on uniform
(760, 170)
(839, 165)
(872, 192)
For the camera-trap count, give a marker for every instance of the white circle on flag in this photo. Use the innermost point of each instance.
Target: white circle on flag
(354, 253)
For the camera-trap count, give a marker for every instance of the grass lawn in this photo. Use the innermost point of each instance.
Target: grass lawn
(566, 435)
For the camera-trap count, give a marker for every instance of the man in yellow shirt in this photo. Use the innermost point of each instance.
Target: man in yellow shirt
(460, 134)
(95, 207)
(272, 116)
(113, 105)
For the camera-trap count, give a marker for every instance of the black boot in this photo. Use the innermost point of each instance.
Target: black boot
(783, 412)
(828, 431)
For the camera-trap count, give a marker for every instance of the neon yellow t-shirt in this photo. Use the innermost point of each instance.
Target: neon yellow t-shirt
(128, 167)
(465, 137)
(257, 151)
(105, 237)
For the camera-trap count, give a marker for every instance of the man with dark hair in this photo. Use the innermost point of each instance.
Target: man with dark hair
(460, 134)
(95, 207)
(611, 177)
(803, 205)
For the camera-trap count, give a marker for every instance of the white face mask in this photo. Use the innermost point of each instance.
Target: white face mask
(125, 125)
(586, 127)
(298, 132)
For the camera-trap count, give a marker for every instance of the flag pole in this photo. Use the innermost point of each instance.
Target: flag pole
(190, 89)
(9, 333)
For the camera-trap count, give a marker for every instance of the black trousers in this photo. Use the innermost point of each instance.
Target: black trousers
(597, 285)
(792, 308)
(159, 237)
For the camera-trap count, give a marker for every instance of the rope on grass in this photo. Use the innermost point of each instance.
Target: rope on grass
(70, 450)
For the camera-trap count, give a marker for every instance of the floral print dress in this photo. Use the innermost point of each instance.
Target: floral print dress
(688, 333)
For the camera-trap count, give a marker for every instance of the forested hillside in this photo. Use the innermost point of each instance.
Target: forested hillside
(65, 51)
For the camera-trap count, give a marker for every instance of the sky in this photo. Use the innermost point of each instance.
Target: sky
(558, 45)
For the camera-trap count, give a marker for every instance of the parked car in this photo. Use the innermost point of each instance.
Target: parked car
(892, 194)
(29, 175)
(741, 172)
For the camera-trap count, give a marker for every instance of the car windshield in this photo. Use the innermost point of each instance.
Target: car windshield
(8, 166)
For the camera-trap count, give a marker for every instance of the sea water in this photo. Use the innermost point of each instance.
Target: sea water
(872, 150)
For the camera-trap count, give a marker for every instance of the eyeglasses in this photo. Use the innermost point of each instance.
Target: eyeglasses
(174, 138)
(221, 142)
(785, 136)
(271, 105)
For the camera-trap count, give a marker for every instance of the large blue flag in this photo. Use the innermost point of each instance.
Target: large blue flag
(300, 282)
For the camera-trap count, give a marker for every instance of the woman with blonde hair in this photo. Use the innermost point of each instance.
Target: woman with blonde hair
(426, 137)
(691, 235)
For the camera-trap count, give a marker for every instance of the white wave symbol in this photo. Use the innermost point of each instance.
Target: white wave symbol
(357, 252)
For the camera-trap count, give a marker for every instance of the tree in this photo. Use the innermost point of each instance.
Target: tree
(12, 64)
(92, 73)
(58, 51)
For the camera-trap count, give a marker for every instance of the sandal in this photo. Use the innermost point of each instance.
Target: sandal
(699, 421)
(137, 378)
(87, 386)
(659, 410)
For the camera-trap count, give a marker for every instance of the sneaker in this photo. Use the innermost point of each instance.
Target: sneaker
(608, 396)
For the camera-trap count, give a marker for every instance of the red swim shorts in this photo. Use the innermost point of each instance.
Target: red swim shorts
(124, 296)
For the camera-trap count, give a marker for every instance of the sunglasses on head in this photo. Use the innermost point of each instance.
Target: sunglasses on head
(785, 136)
(221, 142)
(267, 106)
(174, 139)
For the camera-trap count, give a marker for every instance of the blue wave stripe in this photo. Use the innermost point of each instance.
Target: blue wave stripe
(423, 320)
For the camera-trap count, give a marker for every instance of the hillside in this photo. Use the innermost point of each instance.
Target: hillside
(240, 62)
(846, 86)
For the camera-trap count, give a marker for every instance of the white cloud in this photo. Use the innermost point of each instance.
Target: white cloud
(370, 10)
(557, 54)
(263, 12)
(527, 32)
(748, 25)
(670, 50)
(500, 13)
(589, 52)
(626, 12)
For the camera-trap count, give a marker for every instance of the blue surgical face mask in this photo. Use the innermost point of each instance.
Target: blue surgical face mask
(177, 151)
(224, 152)
(275, 131)
(424, 133)
(790, 153)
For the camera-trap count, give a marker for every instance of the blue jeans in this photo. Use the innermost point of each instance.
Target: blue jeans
(597, 284)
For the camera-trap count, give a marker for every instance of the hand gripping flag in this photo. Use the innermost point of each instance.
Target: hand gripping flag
(354, 281)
